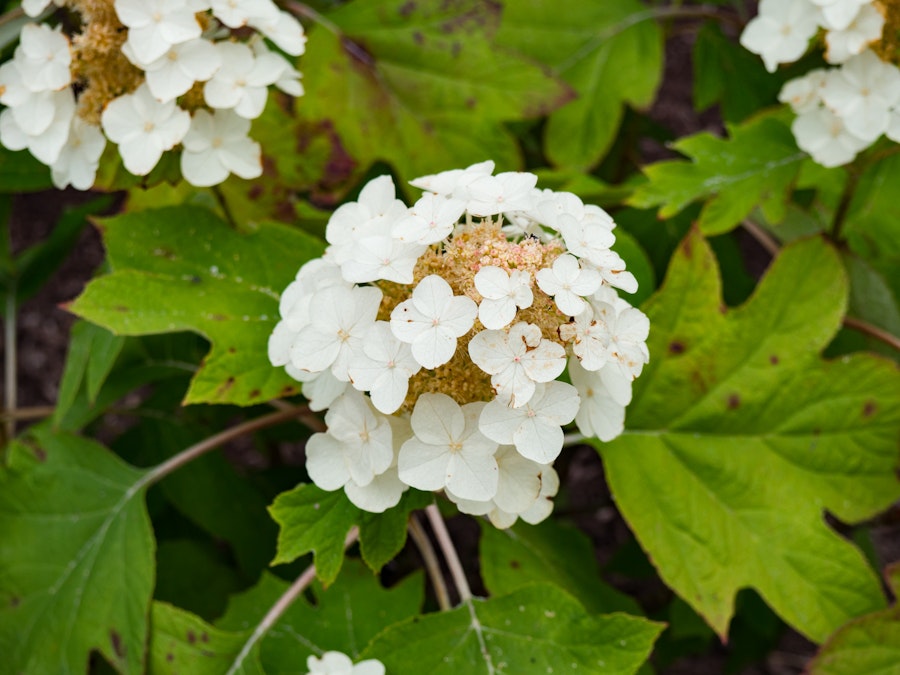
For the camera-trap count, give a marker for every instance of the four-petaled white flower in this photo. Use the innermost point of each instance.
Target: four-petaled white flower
(242, 80)
(588, 238)
(852, 40)
(590, 339)
(430, 219)
(372, 214)
(155, 25)
(80, 156)
(43, 58)
(238, 13)
(381, 257)
(600, 414)
(384, 368)
(46, 144)
(448, 450)
(502, 293)
(339, 319)
(839, 14)
(454, 183)
(176, 71)
(217, 145)
(536, 427)
(282, 29)
(517, 360)
(628, 329)
(338, 663)
(823, 135)
(432, 320)
(490, 195)
(804, 94)
(144, 128)
(781, 31)
(568, 282)
(862, 92)
(357, 446)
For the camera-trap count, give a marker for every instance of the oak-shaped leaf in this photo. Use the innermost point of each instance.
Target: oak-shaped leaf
(536, 629)
(740, 437)
(756, 166)
(422, 85)
(611, 53)
(76, 557)
(184, 269)
(313, 520)
(870, 644)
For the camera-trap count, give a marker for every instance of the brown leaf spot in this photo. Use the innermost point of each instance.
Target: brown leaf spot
(255, 393)
(164, 253)
(232, 350)
(676, 347)
(688, 248)
(218, 317)
(471, 102)
(191, 637)
(15, 601)
(39, 454)
(116, 641)
(869, 408)
(204, 637)
(288, 390)
(774, 360)
(170, 657)
(407, 8)
(734, 401)
(196, 280)
(228, 384)
(515, 564)
(122, 308)
(418, 38)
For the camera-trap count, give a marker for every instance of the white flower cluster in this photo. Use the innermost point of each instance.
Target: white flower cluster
(148, 75)
(840, 111)
(457, 315)
(338, 663)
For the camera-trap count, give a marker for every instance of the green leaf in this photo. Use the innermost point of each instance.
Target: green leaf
(611, 53)
(727, 74)
(20, 171)
(183, 643)
(420, 85)
(344, 617)
(527, 554)
(536, 629)
(872, 300)
(869, 645)
(92, 353)
(739, 437)
(184, 269)
(318, 521)
(756, 166)
(76, 557)
(195, 574)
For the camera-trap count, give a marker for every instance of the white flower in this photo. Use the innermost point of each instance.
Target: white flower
(589, 238)
(518, 489)
(339, 319)
(823, 135)
(448, 450)
(379, 257)
(838, 14)
(628, 329)
(781, 31)
(386, 489)
(536, 427)
(289, 78)
(862, 31)
(510, 191)
(155, 25)
(590, 339)
(543, 505)
(432, 320)
(517, 360)
(47, 144)
(320, 389)
(43, 58)
(282, 29)
(600, 414)
(33, 111)
(144, 128)
(502, 293)
(430, 219)
(861, 93)
(373, 214)
(567, 282)
(80, 156)
(804, 94)
(384, 368)
(337, 663)
(176, 71)
(454, 183)
(357, 446)
(242, 81)
(237, 13)
(216, 145)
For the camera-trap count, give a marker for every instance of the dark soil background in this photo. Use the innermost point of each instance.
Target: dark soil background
(43, 328)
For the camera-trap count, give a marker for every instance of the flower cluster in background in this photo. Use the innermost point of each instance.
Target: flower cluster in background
(435, 335)
(147, 75)
(840, 111)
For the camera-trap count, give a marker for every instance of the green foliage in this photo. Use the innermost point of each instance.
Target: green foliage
(318, 521)
(528, 554)
(609, 52)
(196, 274)
(534, 629)
(421, 85)
(870, 644)
(733, 399)
(76, 557)
(756, 166)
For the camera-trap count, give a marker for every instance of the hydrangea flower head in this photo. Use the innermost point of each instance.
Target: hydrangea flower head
(448, 328)
(152, 76)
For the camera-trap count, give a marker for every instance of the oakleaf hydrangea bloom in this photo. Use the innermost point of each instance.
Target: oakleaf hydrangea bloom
(152, 76)
(843, 110)
(338, 663)
(452, 341)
